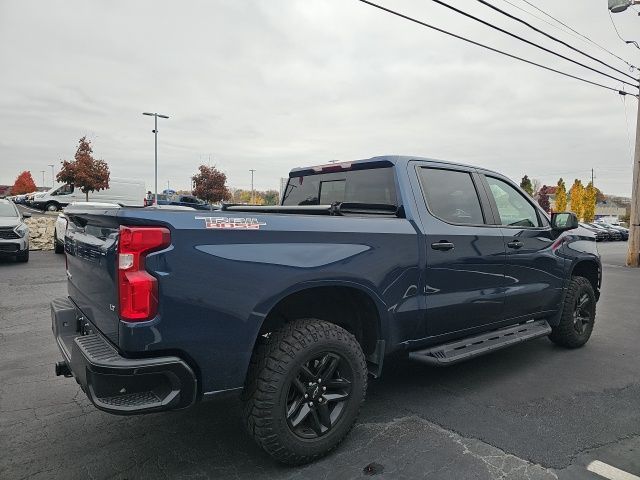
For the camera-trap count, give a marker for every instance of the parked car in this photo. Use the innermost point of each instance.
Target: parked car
(614, 235)
(163, 199)
(600, 234)
(624, 232)
(189, 201)
(14, 233)
(62, 221)
(58, 233)
(292, 307)
(121, 191)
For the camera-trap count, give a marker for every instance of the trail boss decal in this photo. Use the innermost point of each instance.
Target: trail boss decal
(231, 223)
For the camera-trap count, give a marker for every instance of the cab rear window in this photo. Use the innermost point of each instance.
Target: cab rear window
(371, 186)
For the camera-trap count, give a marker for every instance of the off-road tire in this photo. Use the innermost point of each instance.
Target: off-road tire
(565, 333)
(275, 362)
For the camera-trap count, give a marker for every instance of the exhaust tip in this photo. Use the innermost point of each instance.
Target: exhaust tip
(62, 369)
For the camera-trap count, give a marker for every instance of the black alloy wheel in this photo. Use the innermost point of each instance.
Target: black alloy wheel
(582, 313)
(318, 395)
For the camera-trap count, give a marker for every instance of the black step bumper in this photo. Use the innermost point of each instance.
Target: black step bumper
(112, 382)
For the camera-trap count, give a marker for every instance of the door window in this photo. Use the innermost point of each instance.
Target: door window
(513, 208)
(451, 196)
(64, 190)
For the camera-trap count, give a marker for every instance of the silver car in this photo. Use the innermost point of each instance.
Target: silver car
(14, 233)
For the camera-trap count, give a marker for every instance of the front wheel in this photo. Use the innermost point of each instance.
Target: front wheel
(578, 315)
(52, 207)
(304, 390)
(23, 256)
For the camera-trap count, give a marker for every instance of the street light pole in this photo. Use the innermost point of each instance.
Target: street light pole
(42, 177)
(252, 196)
(53, 177)
(155, 132)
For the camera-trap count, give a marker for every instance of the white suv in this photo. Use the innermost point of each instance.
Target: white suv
(14, 233)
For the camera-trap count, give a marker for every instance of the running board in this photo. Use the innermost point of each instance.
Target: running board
(470, 347)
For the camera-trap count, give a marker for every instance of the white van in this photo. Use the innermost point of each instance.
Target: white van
(121, 191)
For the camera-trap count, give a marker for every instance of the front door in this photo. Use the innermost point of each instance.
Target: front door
(535, 271)
(465, 257)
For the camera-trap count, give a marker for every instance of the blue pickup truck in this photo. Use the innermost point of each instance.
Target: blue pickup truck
(293, 307)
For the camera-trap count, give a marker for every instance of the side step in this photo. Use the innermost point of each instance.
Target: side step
(470, 347)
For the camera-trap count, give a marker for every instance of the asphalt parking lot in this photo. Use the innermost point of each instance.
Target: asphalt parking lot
(535, 411)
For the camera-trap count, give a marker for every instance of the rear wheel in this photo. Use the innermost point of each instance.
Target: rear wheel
(578, 315)
(304, 390)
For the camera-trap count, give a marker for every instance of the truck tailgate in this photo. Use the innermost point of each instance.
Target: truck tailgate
(90, 246)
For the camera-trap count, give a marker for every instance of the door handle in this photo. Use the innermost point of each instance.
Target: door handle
(442, 245)
(515, 244)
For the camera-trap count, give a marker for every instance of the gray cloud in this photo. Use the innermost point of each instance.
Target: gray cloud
(277, 84)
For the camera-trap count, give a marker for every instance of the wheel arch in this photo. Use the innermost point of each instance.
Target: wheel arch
(356, 308)
(589, 269)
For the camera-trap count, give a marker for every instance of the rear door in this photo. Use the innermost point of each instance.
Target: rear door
(535, 270)
(465, 253)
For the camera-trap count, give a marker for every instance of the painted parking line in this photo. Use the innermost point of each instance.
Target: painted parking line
(607, 471)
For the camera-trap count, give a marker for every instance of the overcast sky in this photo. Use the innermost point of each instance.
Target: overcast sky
(276, 84)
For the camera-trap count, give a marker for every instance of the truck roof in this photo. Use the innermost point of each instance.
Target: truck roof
(375, 162)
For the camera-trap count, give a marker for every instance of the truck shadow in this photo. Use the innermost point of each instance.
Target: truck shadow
(209, 440)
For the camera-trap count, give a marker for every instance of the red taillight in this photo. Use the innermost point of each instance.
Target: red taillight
(137, 289)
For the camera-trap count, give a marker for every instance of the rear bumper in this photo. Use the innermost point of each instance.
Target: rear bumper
(112, 382)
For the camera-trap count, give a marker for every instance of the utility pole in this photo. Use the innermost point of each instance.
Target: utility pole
(633, 255)
(155, 132)
(252, 200)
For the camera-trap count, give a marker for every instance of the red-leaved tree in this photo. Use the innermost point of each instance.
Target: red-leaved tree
(23, 184)
(543, 199)
(210, 184)
(85, 172)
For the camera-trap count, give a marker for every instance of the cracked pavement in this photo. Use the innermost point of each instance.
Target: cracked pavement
(534, 411)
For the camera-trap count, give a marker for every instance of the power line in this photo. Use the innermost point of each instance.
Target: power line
(478, 44)
(632, 42)
(529, 42)
(577, 33)
(555, 39)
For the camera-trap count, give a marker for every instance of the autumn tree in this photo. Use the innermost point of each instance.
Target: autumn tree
(589, 203)
(526, 185)
(210, 184)
(85, 172)
(271, 197)
(561, 197)
(576, 194)
(23, 184)
(543, 199)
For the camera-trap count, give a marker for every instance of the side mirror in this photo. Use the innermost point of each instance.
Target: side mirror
(561, 222)
(26, 215)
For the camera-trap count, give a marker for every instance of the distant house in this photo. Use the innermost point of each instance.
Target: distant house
(5, 190)
(610, 209)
